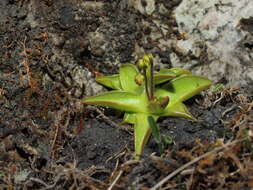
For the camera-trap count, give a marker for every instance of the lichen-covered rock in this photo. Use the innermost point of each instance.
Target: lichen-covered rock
(220, 28)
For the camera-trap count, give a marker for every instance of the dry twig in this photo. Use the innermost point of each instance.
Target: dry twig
(115, 181)
(177, 171)
(108, 120)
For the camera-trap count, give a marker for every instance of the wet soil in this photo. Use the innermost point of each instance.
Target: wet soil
(49, 56)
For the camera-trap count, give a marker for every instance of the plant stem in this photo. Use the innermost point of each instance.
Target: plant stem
(151, 79)
(146, 83)
(146, 64)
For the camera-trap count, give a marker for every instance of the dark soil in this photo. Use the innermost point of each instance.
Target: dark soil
(48, 61)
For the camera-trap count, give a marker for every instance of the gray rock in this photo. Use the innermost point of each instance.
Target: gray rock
(217, 25)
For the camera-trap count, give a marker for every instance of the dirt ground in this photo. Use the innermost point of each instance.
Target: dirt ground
(50, 54)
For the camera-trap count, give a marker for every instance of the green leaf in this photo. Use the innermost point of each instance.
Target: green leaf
(165, 75)
(156, 133)
(178, 110)
(183, 88)
(127, 74)
(218, 88)
(167, 140)
(129, 118)
(176, 71)
(121, 100)
(155, 129)
(110, 81)
(142, 132)
(162, 77)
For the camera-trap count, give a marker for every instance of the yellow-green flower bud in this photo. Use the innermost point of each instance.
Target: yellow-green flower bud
(142, 64)
(148, 58)
(145, 61)
(139, 79)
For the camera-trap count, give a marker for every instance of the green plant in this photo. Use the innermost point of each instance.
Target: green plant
(218, 88)
(141, 93)
(161, 141)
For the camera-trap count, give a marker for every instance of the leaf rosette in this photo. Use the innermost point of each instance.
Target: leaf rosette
(141, 94)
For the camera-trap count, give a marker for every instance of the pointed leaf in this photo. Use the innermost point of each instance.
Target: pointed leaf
(120, 100)
(183, 88)
(142, 133)
(155, 129)
(110, 81)
(178, 110)
(156, 133)
(127, 75)
(176, 71)
(162, 77)
(165, 75)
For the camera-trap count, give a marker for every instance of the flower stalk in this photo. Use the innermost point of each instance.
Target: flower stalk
(147, 68)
